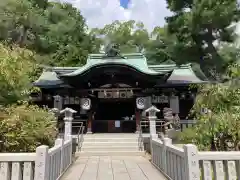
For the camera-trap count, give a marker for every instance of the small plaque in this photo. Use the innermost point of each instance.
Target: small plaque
(160, 99)
(117, 124)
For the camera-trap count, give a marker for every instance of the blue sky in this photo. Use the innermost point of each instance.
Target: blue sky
(101, 12)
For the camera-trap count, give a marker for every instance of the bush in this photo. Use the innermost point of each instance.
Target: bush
(217, 130)
(24, 127)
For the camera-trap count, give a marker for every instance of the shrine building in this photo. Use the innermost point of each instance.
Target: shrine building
(110, 93)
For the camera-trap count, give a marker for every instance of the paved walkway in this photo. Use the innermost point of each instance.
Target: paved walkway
(113, 168)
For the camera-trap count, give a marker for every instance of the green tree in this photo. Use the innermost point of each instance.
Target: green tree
(66, 38)
(56, 31)
(17, 67)
(218, 129)
(160, 47)
(198, 24)
(22, 127)
(131, 36)
(20, 22)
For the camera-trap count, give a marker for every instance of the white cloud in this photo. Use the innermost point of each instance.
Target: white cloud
(101, 12)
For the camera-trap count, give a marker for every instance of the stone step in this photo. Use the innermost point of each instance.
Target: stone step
(109, 143)
(110, 153)
(109, 148)
(98, 139)
(112, 135)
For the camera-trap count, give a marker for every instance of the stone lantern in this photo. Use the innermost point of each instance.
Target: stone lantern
(152, 119)
(152, 112)
(68, 113)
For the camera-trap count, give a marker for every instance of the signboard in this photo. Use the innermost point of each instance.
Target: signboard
(117, 124)
(160, 99)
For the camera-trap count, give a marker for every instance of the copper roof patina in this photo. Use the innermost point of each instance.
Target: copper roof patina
(183, 74)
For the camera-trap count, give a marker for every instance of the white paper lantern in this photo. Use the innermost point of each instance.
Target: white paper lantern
(85, 103)
(140, 102)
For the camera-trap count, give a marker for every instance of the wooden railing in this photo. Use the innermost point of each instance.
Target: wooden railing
(188, 163)
(44, 164)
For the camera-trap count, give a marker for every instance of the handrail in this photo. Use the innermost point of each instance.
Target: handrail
(140, 137)
(163, 125)
(80, 137)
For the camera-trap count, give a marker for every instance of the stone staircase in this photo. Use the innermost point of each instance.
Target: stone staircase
(110, 145)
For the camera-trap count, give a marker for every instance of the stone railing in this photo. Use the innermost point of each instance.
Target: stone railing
(17, 165)
(44, 164)
(188, 163)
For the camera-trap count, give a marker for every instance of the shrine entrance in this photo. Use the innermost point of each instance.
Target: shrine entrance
(115, 116)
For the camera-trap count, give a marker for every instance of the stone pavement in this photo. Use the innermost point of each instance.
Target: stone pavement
(112, 168)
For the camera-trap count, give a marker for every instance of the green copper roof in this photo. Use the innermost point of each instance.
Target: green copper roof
(136, 61)
(183, 74)
(180, 74)
(48, 79)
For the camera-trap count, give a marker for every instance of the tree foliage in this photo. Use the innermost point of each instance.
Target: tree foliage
(24, 127)
(201, 24)
(17, 70)
(56, 31)
(219, 128)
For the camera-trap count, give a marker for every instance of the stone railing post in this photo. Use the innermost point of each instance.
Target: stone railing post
(68, 122)
(166, 142)
(191, 162)
(152, 123)
(42, 163)
(60, 142)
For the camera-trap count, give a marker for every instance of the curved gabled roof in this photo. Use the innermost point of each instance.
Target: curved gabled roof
(51, 77)
(135, 61)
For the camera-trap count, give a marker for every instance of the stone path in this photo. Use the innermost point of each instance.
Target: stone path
(113, 168)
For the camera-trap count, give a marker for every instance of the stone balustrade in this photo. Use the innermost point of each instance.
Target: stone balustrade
(44, 164)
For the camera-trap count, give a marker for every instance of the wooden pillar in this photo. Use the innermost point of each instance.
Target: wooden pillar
(138, 117)
(89, 122)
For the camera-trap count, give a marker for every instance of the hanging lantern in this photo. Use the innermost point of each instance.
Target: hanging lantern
(85, 103)
(140, 102)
